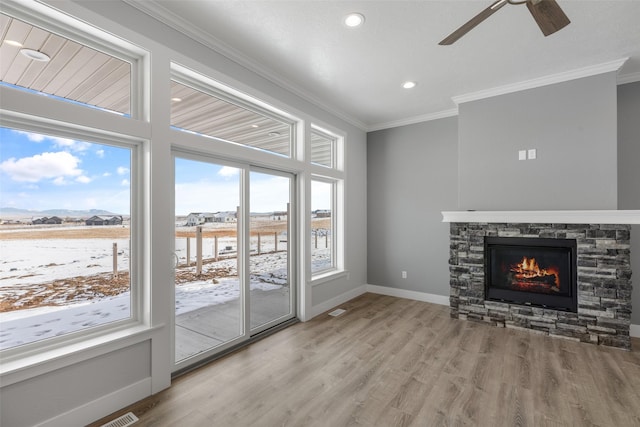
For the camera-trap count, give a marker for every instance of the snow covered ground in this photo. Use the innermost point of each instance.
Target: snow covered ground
(45, 260)
(42, 261)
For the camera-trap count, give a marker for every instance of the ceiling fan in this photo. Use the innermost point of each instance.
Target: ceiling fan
(548, 15)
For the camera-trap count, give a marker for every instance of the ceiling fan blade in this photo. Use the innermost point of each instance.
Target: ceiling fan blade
(473, 22)
(548, 15)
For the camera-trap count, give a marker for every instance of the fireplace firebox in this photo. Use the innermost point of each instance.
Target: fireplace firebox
(532, 271)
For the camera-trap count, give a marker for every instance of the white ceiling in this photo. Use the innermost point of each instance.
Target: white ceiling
(357, 73)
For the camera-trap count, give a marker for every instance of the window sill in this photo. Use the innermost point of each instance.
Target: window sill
(329, 277)
(38, 362)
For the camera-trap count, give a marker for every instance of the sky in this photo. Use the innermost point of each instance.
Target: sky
(40, 172)
(209, 187)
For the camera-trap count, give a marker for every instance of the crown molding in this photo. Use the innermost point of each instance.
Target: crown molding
(413, 120)
(542, 81)
(629, 78)
(165, 16)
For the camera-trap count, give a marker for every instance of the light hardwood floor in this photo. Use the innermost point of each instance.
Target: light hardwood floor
(397, 362)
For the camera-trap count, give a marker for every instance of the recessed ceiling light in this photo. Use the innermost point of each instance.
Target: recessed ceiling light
(176, 99)
(255, 126)
(36, 55)
(13, 43)
(353, 20)
(274, 133)
(409, 85)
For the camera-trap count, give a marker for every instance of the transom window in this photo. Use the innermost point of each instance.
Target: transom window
(42, 61)
(221, 116)
(323, 147)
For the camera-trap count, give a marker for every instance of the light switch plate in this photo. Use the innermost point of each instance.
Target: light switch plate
(522, 155)
(532, 154)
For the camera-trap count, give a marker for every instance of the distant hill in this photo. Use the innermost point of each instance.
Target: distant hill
(62, 213)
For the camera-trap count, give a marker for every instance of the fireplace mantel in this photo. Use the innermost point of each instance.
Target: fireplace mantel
(545, 217)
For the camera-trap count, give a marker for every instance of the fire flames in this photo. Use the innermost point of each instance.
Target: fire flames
(528, 269)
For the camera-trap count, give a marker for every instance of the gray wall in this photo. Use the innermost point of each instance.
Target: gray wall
(629, 174)
(573, 127)
(60, 391)
(412, 177)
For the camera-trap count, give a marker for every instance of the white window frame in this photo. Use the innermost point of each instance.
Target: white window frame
(41, 349)
(23, 110)
(48, 19)
(206, 85)
(336, 176)
(337, 230)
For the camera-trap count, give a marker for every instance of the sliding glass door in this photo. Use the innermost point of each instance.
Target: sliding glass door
(270, 232)
(233, 240)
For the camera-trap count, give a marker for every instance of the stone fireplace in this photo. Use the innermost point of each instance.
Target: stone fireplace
(602, 272)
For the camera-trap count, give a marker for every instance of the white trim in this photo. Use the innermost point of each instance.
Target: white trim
(542, 81)
(628, 78)
(544, 217)
(103, 406)
(336, 301)
(634, 330)
(413, 120)
(413, 295)
(328, 277)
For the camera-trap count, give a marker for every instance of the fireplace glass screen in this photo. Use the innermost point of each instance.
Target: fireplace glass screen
(531, 271)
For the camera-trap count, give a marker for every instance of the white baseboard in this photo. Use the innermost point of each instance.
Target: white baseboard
(414, 295)
(401, 293)
(101, 407)
(335, 301)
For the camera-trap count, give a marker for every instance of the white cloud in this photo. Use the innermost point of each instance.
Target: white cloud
(42, 166)
(60, 181)
(35, 137)
(100, 153)
(83, 179)
(122, 170)
(58, 142)
(125, 182)
(228, 171)
(70, 144)
(106, 174)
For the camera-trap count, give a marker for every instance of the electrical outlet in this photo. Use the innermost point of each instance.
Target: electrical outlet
(522, 155)
(532, 154)
(404, 274)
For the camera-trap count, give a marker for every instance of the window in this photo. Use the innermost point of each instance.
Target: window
(42, 61)
(323, 147)
(65, 235)
(208, 112)
(323, 239)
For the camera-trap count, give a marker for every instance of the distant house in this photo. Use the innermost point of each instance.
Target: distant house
(53, 220)
(225, 217)
(37, 221)
(322, 213)
(46, 220)
(104, 220)
(199, 218)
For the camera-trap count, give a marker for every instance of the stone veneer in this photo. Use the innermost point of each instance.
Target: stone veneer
(604, 282)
